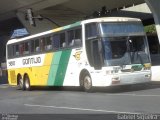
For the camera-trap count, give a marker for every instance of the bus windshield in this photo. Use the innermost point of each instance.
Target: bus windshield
(124, 44)
(121, 29)
(124, 50)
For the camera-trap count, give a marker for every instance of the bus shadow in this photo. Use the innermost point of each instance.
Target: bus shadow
(129, 88)
(55, 88)
(111, 89)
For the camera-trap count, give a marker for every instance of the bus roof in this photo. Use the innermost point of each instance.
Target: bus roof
(44, 33)
(103, 19)
(112, 19)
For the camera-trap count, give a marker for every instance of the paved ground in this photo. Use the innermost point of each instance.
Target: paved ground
(139, 99)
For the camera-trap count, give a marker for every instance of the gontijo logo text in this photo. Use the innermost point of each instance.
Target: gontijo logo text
(31, 61)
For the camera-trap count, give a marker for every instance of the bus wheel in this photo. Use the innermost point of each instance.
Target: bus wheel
(87, 83)
(27, 83)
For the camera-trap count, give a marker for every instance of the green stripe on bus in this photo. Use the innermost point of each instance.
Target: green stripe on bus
(72, 25)
(54, 68)
(58, 68)
(61, 72)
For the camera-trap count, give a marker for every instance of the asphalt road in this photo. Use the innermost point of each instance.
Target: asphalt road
(139, 99)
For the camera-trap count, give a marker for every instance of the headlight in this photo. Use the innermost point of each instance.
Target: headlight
(113, 70)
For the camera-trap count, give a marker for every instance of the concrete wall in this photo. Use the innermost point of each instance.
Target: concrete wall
(154, 6)
(41, 26)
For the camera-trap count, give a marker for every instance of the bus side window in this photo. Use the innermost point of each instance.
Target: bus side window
(26, 48)
(77, 42)
(48, 43)
(62, 40)
(56, 40)
(75, 38)
(16, 50)
(42, 44)
(78, 33)
(10, 51)
(21, 48)
(78, 37)
(32, 46)
(70, 38)
(91, 30)
(37, 46)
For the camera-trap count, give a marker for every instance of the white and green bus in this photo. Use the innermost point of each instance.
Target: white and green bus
(98, 52)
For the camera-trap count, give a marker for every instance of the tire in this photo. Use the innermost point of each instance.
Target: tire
(87, 83)
(27, 85)
(20, 84)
